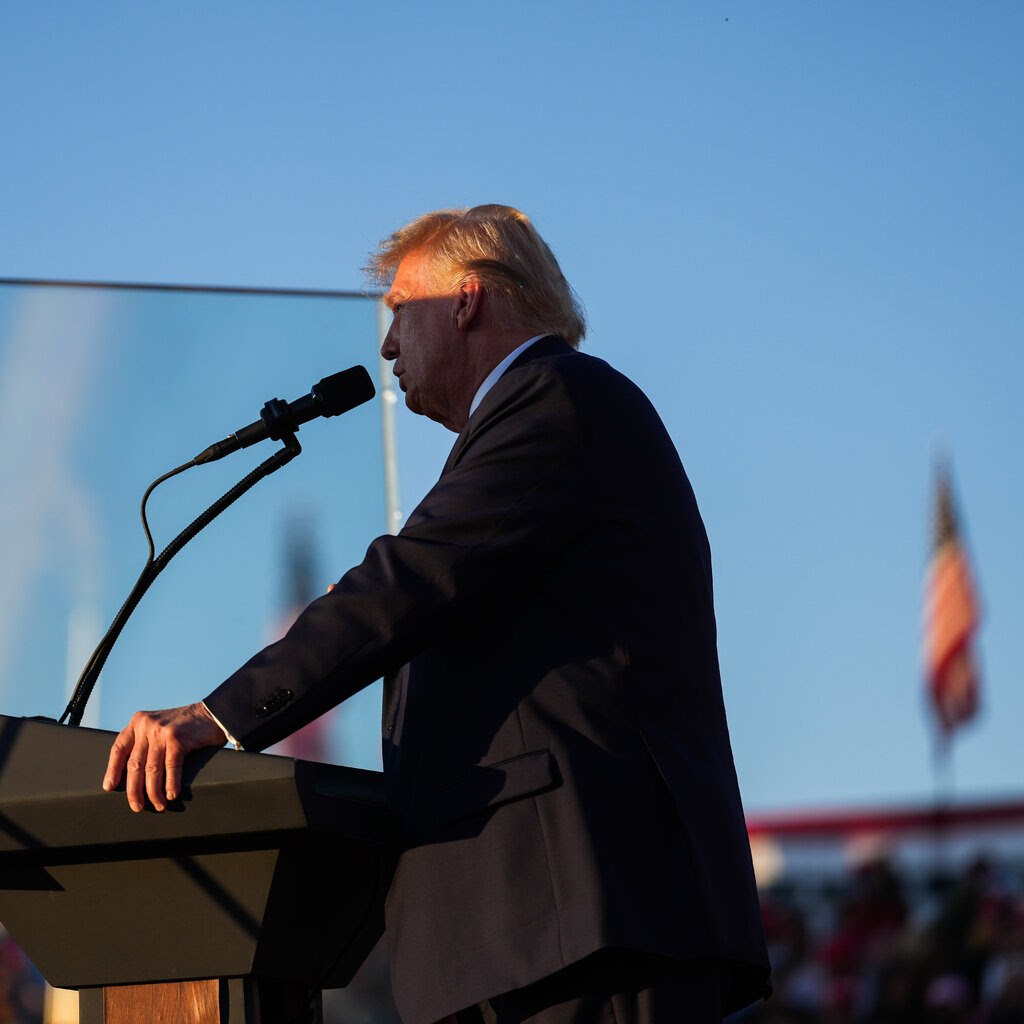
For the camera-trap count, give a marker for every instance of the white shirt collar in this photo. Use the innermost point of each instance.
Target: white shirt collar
(491, 379)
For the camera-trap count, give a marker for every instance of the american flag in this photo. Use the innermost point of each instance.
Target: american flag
(951, 617)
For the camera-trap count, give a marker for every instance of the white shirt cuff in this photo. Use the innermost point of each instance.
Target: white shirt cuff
(231, 739)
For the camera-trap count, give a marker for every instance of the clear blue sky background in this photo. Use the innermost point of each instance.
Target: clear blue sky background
(797, 225)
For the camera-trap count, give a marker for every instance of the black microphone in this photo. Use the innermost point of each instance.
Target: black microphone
(330, 397)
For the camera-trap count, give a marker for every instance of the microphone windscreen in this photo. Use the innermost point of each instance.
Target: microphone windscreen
(343, 391)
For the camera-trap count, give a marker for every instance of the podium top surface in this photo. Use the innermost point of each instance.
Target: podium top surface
(51, 796)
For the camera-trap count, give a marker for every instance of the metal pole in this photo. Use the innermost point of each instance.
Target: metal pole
(388, 400)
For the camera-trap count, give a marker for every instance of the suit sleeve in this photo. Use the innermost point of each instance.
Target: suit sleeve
(508, 502)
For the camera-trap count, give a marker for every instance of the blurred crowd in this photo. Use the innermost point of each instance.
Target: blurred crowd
(878, 949)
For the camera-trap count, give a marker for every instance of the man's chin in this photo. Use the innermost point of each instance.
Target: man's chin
(413, 404)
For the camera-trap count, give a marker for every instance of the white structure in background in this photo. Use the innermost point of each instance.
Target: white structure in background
(389, 397)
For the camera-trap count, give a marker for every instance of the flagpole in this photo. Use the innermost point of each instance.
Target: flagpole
(943, 780)
(951, 619)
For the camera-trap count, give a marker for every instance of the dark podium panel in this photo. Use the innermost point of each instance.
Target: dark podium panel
(266, 867)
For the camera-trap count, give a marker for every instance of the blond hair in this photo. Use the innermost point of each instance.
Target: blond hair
(501, 248)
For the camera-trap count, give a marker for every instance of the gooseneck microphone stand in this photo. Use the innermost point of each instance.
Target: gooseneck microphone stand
(155, 565)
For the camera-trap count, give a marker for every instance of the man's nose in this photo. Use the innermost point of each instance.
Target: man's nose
(389, 350)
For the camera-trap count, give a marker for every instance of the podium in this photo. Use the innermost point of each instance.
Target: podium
(263, 884)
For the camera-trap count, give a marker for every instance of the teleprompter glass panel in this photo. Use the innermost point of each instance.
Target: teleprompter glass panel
(105, 388)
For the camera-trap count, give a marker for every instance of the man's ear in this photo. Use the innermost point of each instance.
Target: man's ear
(468, 299)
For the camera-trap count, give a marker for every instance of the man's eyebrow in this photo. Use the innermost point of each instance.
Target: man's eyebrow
(394, 298)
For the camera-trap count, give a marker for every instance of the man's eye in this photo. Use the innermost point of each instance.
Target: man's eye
(395, 309)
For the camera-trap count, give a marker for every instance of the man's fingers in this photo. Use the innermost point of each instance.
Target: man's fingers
(155, 778)
(135, 783)
(150, 753)
(119, 752)
(173, 763)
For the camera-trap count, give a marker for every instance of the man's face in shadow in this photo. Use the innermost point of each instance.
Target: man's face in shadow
(427, 345)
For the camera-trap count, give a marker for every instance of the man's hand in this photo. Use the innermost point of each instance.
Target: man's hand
(153, 746)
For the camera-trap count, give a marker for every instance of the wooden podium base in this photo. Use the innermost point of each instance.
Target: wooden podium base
(214, 1001)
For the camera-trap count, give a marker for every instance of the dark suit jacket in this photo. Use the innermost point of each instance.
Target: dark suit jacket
(555, 741)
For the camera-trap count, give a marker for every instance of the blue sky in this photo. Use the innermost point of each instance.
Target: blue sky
(796, 225)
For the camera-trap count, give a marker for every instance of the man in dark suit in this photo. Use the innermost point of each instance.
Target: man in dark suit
(572, 847)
